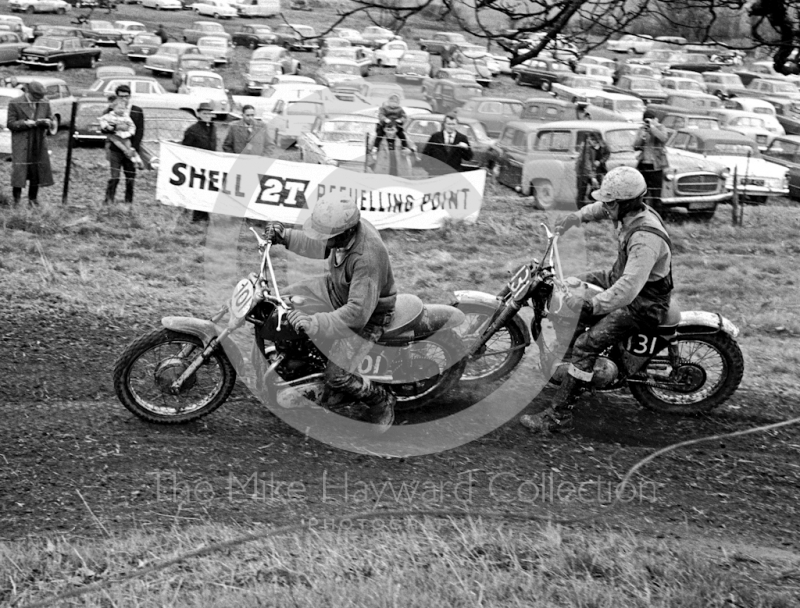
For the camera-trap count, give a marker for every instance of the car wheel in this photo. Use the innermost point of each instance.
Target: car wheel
(546, 85)
(631, 51)
(60, 66)
(518, 79)
(184, 39)
(216, 15)
(30, 10)
(253, 45)
(545, 194)
(297, 69)
(54, 125)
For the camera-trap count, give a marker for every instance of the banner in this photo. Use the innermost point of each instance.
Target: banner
(284, 191)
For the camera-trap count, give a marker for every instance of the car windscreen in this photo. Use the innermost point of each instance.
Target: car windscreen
(47, 43)
(415, 57)
(265, 69)
(621, 140)
(342, 68)
(630, 105)
(305, 108)
(146, 39)
(205, 81)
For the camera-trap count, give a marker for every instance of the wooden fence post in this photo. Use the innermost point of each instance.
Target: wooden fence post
(735, 199)
(70, 144)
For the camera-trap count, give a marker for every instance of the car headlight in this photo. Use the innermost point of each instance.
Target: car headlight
(725, 174)
(784, 183)
(331, 161)
(669, 174)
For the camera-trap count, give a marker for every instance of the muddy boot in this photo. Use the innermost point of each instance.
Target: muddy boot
(381, 404)
(558, 416)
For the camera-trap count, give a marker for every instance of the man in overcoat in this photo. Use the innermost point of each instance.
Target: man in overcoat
(29, 119)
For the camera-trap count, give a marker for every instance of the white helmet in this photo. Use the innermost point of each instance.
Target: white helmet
(621, 184)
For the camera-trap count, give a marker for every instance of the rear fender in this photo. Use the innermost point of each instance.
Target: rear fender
(206, 331)
(702, 322)
(481, 298)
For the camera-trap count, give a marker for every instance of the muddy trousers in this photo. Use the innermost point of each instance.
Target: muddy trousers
(653, 178)
(609, 330)
(119, 162)
(344, 360)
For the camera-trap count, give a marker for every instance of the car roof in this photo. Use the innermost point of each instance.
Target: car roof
(551, 101)
(755, 102)
(130, 22)
(733, 112)
(792, 138)
(45, 80)
(462, 119)
(615, 96)
(202, 73)
(337, 60)
(682, 115)
(502, 99)
(718, 135)
(177, 45)
(127, 77)
(354, 117)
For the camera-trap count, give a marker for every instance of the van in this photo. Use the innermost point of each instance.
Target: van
(257, 8)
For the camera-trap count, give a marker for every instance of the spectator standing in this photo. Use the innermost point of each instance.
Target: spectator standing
(392, 157)
(203, 135)
(249, 136)
(29, 118)
(448, 50)
(591, 166)
(446, 149)
(390, 111)
(162, 33)
(118, 160)
(652, 156)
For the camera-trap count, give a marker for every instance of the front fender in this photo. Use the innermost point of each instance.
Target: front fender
(206, 331)
(700, 321)
(481, 298)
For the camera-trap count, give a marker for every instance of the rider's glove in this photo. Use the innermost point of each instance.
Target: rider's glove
(567, 222)
(302, 322)
(577, 304)
(275, 232)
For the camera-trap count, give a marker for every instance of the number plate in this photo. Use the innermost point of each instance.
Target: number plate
(645, 345)
(242, 298)
(709, 205)
(520, 282)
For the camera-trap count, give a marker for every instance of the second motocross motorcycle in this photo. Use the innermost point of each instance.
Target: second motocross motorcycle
(187, 368)
(689, 365)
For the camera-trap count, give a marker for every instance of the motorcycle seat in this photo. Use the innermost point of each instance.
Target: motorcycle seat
(408, 310)
(672, 320)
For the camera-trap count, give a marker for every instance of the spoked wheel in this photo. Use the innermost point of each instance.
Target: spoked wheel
(144, 373)
(499, 356)
(432, 367)
(709, 369)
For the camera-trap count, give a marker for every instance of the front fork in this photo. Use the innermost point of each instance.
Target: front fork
(503, 314)
(187, 350)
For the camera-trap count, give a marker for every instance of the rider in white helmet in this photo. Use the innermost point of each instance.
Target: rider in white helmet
(636, 291)
(359, 289)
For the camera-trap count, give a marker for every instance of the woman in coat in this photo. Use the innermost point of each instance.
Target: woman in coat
(394, 155)
(29, 118)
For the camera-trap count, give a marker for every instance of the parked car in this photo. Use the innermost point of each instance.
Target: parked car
(296, 37)
(673, 83)
(288, 119)
(58, 94)
(616, 107)
(785, 151)
(339, 140)
(541, 73)
(696, 76)
(11, 47)
(390, 53)
(207, 86)
(767, 110)
(445, 94)
(163, 5)
(413, 66)
(145, 92)
(6, 95)
(646, 89)
(747, 123)
(105, 71)
(38, 6)
(757, 178)
(457, 74)
(473, 52)
(759, 69)
(375, 36)
(673, 122)
(142, 46)
(768, 88)
(598, 60)
(540, 161)
(356, 54)
(165, 61)
(599, 72)
(492, 112)
(102, 32)
(476, 62)
(17, 26)
(374, 93)
(277, 54)
(637, 69)
(261, 73)
(257, 8)
(559, 48)
(60, 31)
(436, 43)
(352, 35)
(420, 128)
(331, 43)
(200, 29)
(663, 59)
(129, 29)
(577, 88)
(723, 84)
(218, 48)
(335, 71)
(631, 43)
(59, 53)
(254, 36)
(190, 62)
(219, 9)
(787, 112)
(547, 109)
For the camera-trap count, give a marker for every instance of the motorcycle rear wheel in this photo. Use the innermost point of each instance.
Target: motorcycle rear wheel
(500, 355)
(148, 365)
(712, 366)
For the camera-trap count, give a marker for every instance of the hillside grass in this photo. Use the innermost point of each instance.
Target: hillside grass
(405, 563)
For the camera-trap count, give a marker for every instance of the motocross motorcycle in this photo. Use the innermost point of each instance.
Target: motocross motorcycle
(187, 369)
(688, 365)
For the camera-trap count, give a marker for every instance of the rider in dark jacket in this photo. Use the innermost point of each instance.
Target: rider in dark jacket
(636, 291)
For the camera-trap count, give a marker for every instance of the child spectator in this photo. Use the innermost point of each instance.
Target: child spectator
(390, 112)
(119, 127)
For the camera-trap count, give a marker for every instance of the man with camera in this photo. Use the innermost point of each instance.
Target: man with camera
(652, 156)
(29, 119)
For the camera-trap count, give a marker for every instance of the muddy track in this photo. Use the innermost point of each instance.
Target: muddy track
(66, 439)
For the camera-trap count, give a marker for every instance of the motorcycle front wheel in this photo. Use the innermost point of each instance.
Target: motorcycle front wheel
(499, 356)
(709, 370)
(436, 363)
(146, 369)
